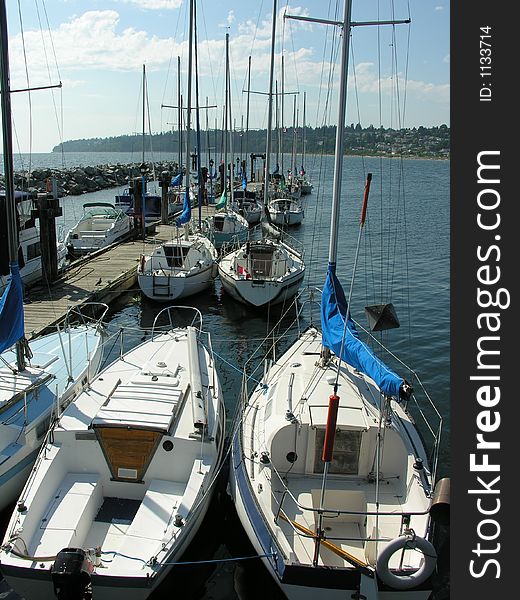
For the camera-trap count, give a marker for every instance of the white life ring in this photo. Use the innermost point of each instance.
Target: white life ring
(409, 542)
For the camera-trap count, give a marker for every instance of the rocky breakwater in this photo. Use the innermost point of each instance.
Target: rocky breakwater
(81, 180)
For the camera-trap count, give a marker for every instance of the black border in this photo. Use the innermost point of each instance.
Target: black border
(478, 126)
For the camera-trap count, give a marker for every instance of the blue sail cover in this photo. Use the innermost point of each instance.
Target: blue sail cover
(177, 180)
(355, 352)
(244, 181)
(11, 311)
(185, 215)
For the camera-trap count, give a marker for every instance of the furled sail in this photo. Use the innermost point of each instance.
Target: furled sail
(185, 216)
(355, 352)
(11, 310)
(177, 180)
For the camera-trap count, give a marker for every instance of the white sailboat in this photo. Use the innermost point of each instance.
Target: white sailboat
(330, 477)
(262, 272)
(285, 211)
(185, 265)
(126, 476)
(37, 378)
(178, 268)
(227, 226)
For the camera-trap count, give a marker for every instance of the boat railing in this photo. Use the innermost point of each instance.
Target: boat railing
(296, 507)
(168, 313)
(86, 313)
(419, 405)
(292, 244)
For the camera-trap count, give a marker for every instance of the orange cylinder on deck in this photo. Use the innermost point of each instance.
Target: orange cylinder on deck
(330, 431)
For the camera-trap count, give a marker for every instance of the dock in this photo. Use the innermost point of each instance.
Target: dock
(98, 277)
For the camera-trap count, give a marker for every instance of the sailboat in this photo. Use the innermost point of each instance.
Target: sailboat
(185, 265)
(285, 211)
(227, 226)
(126, 476)
(151, 201)
(330, 476)
(304, 183)
(37, 378)
(263, 272)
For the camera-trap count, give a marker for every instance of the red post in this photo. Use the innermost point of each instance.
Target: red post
(365, 200)
(330, 431)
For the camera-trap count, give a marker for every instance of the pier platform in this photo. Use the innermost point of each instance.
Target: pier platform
(98, 277)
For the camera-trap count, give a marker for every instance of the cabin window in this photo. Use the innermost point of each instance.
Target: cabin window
(345, 457)
(175, 255)
(33, 251)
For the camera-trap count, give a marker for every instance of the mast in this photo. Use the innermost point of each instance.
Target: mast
(188, 107)
(277, 122)
(282, 121)
(226, 121)
(293, 151)
(270, 109)
(303, 130)
(179, 110)
(247, 105)
(144, 120)
(340, 131)
(228, 110)
(197, 115)
(7, 134)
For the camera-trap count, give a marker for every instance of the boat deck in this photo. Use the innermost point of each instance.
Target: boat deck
(346, 531)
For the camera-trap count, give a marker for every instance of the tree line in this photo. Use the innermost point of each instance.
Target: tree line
(420, 141)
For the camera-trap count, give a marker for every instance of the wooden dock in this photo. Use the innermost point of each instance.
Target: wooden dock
(99, 277)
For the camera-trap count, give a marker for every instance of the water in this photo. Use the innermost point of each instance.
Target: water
(413, 228)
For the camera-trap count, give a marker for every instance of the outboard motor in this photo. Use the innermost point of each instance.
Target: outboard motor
(71, 575)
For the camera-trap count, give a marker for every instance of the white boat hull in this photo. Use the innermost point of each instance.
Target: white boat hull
(259, 292)
(178, 269)
(170, 287)
(286, 219)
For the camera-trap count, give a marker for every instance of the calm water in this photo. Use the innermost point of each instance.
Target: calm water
(403, 259)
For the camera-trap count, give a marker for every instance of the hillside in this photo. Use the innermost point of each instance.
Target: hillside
(432, 142)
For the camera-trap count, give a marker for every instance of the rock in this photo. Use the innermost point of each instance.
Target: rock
(79, 180)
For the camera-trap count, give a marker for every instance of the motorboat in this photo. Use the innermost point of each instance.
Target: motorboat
(101, 225)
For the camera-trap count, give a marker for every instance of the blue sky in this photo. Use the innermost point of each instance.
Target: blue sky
(399, 76)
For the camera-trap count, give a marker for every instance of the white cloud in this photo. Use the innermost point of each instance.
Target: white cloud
(90, 41)
(446, 59)
(367, 81)
(437, 8)
(154, 4)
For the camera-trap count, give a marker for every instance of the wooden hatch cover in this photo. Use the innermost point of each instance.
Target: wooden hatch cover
(130, 425)
(128, 451)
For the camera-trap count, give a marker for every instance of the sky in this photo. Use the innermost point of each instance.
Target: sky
(96, 49)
